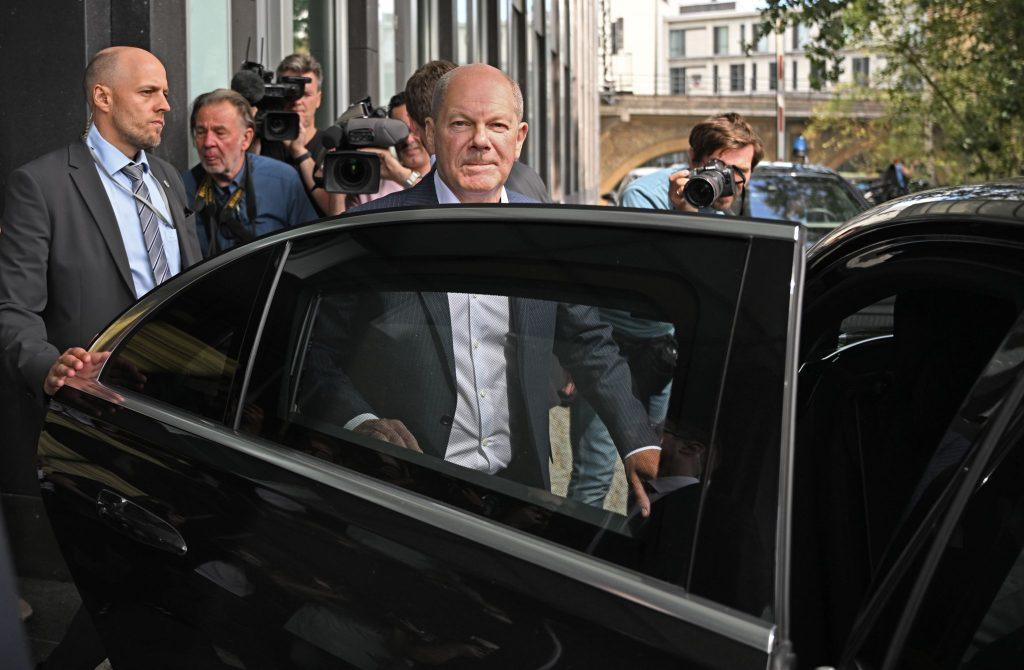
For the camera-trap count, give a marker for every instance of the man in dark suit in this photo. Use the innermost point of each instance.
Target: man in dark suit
(494, 417)
(87, 229)
(91, 227)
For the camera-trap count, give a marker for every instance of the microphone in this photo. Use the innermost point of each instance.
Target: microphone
(249, 85)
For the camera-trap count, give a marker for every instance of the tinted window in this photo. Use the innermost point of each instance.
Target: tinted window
(188, 352)
(523, 365)
(818, 202)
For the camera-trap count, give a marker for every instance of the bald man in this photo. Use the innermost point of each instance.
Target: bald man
(88, 229)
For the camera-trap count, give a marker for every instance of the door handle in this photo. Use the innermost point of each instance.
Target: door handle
(138, 523)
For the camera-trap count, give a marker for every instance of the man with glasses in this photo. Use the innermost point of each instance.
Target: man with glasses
(650, 346)
(237, 195)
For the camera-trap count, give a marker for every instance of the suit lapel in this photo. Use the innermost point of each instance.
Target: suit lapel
(440, 317)
(87, 181)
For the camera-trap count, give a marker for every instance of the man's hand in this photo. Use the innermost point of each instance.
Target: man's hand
(389, 430)
(676, 184)
(390, 168)
(75, 362)
(297, 147)
(641, 466)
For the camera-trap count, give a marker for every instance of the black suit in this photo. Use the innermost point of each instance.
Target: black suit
(64, 272)
(398, 363)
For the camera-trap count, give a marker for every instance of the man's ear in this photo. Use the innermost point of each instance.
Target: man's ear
(247, 138)
(521, 137)
(427, 136)
(102, 97)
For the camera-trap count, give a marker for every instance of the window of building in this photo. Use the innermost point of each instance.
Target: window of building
(861, 71)
(189, 353)
(800, 35)
(736, 77)
(773, 76)
(386, 26)
(721, 39)
(795, 80)
(762, 39)
(370, 322)
(676, 43)
(714, 79)
(617, 36)
(743, 37)
(753, 77)
(677, 80)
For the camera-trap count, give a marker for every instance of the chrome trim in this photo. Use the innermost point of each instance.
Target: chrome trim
(635, 587)
(783, 528)
(282, 259)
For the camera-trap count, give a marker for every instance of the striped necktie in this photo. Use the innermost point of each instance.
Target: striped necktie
(150, 225)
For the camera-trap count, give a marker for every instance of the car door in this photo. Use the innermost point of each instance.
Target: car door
(910, 376)
(220, 507)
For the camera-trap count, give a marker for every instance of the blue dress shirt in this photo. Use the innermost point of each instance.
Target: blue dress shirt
(111, 160)
(281, 200)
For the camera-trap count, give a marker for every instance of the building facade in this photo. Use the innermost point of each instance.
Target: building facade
(367, 48)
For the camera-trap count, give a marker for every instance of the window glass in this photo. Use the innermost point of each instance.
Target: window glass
(188, 353)
(509, 376)
(820, 203)
(677, 80)
(736, 77)
(721, 39)
(676, 43)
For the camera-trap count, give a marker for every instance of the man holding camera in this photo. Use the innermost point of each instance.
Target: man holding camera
(303, 150)
(723, 151)
(237, 195)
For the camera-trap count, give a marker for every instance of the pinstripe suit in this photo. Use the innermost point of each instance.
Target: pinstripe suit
(398, 363)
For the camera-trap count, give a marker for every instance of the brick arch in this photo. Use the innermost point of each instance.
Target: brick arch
(638, 158)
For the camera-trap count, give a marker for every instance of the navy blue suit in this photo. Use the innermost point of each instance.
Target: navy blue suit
(397, 362)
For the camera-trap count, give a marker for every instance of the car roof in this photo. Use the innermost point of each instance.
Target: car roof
(1000, 205)
(808, 169)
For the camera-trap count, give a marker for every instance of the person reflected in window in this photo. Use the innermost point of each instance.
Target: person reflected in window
(465, 377)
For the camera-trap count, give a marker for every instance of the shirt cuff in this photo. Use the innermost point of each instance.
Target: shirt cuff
(356, 421)
(635, 451)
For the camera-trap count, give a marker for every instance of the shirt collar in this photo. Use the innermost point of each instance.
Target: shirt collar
(110, 157)
(446, 197)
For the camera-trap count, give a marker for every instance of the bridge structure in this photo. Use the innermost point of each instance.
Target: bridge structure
(636, 129)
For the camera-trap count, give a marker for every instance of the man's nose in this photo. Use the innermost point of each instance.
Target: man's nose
(163, 104)
(480, 137)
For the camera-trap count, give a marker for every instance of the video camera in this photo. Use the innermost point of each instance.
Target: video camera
(709, 183)
(347, 170)
(273, 100)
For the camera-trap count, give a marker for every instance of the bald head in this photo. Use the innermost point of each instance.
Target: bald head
(472, 76)
(108, 67)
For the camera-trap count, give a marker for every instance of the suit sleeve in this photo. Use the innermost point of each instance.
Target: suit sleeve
(584, 346)
(25, 234)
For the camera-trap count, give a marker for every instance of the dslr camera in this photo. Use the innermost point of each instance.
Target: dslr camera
(709, 183)
(347, 170)
(273, 100)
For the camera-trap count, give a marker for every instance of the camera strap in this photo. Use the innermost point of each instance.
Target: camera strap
(217, 212)
(139, 198)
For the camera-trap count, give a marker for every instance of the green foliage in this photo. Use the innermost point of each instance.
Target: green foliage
(953, 79)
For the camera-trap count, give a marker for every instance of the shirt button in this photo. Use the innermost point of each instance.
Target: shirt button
(483, 394)
(476, 344)
(474, 297)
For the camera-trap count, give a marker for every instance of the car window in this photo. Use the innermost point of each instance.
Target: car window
(508, 375)
(819, 202)
(188, 352)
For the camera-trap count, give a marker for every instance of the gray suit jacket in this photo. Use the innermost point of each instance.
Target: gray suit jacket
(64, 272)
(393, 357)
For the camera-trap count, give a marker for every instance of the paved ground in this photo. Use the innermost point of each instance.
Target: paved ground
(561, 468)
(53, 604)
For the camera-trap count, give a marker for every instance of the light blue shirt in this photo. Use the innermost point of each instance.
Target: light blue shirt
(127, 214)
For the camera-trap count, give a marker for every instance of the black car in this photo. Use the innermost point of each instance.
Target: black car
(813, 195)
(216, 513)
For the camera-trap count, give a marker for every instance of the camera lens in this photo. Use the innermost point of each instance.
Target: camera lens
(352, 173)
(700, 192)
(276, 125)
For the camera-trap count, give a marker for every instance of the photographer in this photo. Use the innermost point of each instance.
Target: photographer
(237, 195)
(303, 151)
(650, 346)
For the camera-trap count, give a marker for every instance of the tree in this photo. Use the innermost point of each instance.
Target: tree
(952, 84)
